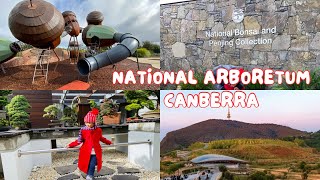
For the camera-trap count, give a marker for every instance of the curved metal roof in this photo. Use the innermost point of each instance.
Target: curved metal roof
(215, 158)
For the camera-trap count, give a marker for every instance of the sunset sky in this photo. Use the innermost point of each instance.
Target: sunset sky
(296, 109)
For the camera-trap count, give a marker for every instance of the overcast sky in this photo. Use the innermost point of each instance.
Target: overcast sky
(296, 109)
(138, 17)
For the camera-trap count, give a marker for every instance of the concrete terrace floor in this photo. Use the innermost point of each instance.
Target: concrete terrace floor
(111, 159)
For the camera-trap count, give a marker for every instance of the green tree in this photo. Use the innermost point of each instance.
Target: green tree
(148, 45)
(4, 98)
(17, 111)
(138, 99)
(153, 48)
(156, 48)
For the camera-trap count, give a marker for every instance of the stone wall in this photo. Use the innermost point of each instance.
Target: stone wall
(295, 45)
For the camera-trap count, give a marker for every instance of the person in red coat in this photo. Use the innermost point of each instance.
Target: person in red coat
(238, 86)
(90, 153)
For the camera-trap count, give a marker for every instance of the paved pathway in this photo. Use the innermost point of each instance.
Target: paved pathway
(123, 173)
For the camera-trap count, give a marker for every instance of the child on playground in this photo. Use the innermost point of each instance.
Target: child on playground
(90, 153)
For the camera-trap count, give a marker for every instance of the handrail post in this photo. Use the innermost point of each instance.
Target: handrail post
(20, 153)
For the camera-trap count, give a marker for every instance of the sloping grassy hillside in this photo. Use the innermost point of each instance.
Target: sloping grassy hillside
(258, 151)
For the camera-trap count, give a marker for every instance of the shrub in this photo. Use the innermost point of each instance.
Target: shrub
(261, 176)
(227, 176)
(223, 168)
(199, 86)
(174, 167)
(256, 86)
(196, 145)
(143, 52)
(314, 83)
(173, 154)
(299, 142)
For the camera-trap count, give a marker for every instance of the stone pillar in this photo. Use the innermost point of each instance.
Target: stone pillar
(145, 155)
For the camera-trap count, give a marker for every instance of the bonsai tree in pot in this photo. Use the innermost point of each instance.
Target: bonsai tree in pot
(52, 112)
(17, 111)
(157, 94)
(4, 124)
(69, 116)
(109, 112)
(138, 99)
(93, 104)
(156, 112)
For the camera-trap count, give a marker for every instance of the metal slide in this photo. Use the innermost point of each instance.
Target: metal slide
(128, 44)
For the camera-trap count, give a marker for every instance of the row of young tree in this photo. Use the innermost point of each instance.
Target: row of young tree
(228, 143)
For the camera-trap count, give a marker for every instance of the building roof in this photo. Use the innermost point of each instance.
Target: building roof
(215, 158)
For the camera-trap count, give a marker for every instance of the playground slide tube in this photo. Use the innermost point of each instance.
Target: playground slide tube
(126, 47)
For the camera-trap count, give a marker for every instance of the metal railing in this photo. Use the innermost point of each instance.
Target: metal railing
(20, 153)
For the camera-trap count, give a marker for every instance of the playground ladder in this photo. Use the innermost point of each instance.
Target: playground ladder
(41, 68)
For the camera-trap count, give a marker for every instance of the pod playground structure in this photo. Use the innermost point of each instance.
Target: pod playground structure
(38, 25)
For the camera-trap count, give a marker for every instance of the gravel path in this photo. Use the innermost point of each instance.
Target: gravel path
(62, 159)
(21, 77)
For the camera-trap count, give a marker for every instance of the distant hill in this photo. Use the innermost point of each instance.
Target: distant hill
(214, 129)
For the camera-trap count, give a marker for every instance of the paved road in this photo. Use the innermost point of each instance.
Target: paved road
(215, 176)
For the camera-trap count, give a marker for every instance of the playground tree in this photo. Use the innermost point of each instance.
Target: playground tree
(17, 111)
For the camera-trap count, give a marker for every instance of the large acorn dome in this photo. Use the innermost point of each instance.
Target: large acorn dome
(37, 23)
(95, 18)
